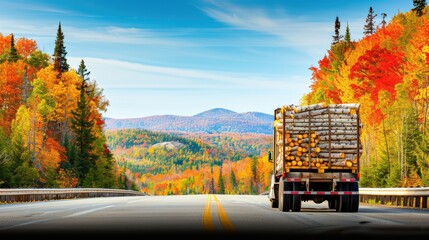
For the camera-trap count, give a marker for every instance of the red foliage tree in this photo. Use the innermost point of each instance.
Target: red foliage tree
(377, 70)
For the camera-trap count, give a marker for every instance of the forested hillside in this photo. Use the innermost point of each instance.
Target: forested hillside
(387, 72)
(51, 123)
(171, 163)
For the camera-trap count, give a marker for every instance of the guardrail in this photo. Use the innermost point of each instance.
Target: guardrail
(30, 194)
(401, 197)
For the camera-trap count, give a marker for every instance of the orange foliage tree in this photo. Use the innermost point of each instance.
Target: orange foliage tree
(35, 111)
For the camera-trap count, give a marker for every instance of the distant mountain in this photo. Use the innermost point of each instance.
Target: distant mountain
(214, 120)
(216, 112)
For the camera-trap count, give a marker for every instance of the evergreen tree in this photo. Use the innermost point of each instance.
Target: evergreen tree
(60, 60)
(369, 27)
(419, 6)
(71, 153)
(212, 189)
(13, 54)
(233, 182)
(82, 125)
(221, 183)
(347, 37)
(5, 163)
(383, 22)
(83, 72)
(337, 37)
(411, 136)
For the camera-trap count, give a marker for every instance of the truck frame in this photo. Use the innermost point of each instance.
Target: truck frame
(292, 184)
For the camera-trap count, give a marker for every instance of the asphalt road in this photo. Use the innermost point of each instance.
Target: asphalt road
(203, 217)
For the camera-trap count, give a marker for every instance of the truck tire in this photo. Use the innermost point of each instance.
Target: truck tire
(332, 203)
(274, 204)
(284, 199)
(343, 202)
(354, 199)
(296, 198)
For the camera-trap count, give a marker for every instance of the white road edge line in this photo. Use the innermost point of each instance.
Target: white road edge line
(48, 219)
(141, 200)
(87, 211)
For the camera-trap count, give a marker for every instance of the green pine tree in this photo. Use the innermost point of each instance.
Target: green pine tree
(221, 183)
(82, 125)
(83, 71)
(383, 21)
(369, 27)
(347, 37)
(337, 36)
(60, 60)
(419, 6)
(212, 189)
(233, 182)
(411, 135)
(5, 162)
(71, 153)
(13, 54)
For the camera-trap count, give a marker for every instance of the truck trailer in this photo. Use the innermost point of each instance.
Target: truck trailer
(315, 156)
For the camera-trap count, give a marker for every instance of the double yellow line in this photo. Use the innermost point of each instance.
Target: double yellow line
(220, 213)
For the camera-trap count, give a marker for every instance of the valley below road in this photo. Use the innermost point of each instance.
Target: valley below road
(206, 216)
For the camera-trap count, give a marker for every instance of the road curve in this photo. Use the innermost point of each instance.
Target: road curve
(218, 216)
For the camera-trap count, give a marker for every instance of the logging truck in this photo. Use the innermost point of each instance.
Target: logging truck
(315, 156)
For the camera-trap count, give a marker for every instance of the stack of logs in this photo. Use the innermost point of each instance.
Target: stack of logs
(318, 136)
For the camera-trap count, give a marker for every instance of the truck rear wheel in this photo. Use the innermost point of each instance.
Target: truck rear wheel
(296, 198)
(274, 204)
(332, 203)
(284, 199)
(354, 199)
(343, 202)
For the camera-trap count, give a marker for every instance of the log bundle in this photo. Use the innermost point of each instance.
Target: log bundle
(317, 136)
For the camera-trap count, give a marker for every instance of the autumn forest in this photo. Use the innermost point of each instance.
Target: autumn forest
(52, 129)
(387, 72)
(51, 132)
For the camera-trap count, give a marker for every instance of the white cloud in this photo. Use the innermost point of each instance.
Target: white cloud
(121, 35)
(183, 37)
(102, 35)
(294, 31)
(31, 7)
(285, 31)
(121, 74)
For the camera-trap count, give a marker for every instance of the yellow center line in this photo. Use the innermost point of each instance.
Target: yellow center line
(226, 223)
(220, 213)
(207, 216)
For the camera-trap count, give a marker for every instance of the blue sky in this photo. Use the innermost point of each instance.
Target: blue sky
(183, 57)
